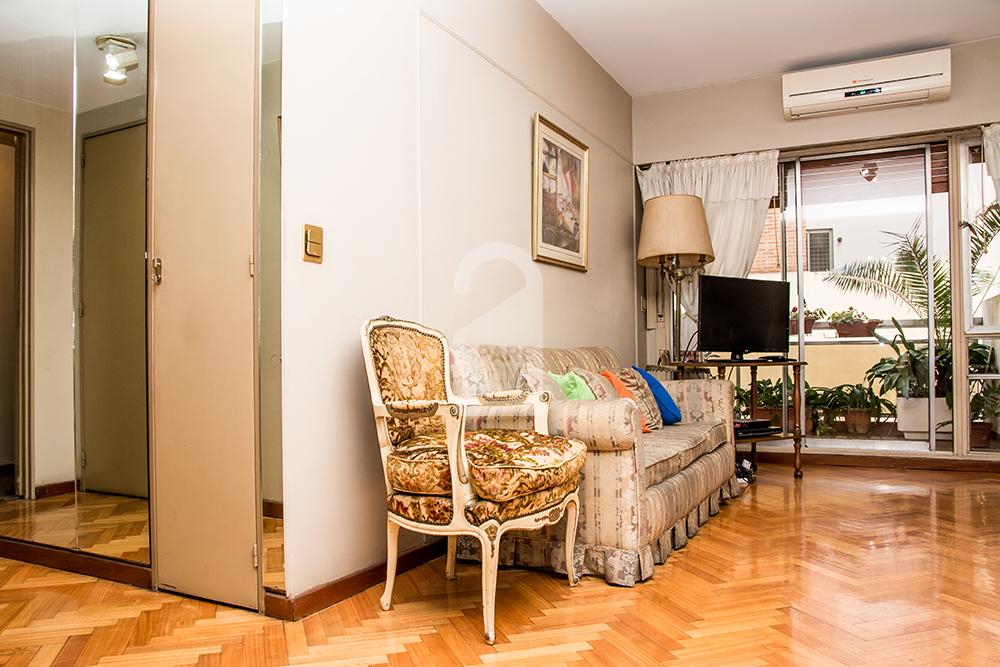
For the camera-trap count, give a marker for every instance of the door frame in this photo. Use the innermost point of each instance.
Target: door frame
(24, 221)
(78, 297)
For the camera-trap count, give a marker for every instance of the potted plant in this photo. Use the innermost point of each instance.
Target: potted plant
(907, 375)
(810, 316)
(984, 408)
(816, 398)
(853, 323)
(769, 400)
(858, 404)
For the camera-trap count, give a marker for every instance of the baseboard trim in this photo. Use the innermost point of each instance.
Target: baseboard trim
(872, 461)
(54, 489)
(79, 562)
(274, 509)
(280, 606)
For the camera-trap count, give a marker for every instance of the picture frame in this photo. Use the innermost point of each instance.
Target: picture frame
(560, 193)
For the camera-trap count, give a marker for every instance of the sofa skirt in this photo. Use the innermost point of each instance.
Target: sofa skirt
(673, 512)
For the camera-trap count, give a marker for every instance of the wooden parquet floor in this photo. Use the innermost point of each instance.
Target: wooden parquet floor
(849, 567)
(101, 523)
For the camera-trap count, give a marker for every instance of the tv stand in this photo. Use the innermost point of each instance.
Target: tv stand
(793, 429)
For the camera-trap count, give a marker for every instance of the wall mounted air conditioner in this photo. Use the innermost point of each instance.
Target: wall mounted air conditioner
(872, 84)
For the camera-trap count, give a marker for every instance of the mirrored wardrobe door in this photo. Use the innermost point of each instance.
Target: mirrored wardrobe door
(111, 344)
(269, 253)
(37, 114)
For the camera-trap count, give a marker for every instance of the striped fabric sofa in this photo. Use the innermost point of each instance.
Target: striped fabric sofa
(642, 495)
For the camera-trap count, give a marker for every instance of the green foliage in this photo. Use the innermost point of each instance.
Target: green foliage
(856, 397)
(985, 404)
(809, 313)
(904, 278)
(907, 373)
(849, 316)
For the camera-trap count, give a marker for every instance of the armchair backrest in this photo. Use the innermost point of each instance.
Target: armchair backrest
(406, 361)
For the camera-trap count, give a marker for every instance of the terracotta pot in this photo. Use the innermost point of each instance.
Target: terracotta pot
(857, 329)
(810, 425)
(858, 421)
(980, 434)
(793, 325)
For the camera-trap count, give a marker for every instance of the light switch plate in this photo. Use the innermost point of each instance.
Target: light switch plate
(313, 244)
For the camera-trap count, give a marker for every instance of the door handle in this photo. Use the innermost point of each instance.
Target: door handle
(157, 276)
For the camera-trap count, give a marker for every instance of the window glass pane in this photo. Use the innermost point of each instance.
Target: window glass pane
(981, 214)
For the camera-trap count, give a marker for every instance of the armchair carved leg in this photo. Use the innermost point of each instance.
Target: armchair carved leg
(490, 543)
(392, 550)
(572, 515)
(449, 569)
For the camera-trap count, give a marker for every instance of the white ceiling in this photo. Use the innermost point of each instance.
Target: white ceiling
(652, 46)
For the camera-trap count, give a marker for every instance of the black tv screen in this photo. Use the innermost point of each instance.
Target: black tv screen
(740, 315)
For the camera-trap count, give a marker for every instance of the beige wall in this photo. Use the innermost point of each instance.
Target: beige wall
(414, 152)
(747, 115)
(52, 276)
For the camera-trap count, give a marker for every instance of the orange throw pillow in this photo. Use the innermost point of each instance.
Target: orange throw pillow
(623, 392)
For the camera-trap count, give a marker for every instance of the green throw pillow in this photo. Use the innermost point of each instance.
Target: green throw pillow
(574, 386)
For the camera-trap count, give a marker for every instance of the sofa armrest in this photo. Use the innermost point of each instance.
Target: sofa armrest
(704, 400)
(602, 425)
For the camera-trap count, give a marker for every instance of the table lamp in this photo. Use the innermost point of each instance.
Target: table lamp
(674, 238)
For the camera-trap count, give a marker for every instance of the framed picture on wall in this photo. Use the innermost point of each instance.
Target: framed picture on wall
(560, 192)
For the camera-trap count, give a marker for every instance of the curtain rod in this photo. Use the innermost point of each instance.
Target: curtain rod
(790, 152)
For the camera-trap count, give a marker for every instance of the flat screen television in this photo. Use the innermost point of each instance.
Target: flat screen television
(739, 315)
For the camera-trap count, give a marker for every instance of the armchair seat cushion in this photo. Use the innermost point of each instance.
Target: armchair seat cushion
(673, 448)
(438, 510)
(503, 465)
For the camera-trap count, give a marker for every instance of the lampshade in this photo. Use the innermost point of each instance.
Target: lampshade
(674, 225)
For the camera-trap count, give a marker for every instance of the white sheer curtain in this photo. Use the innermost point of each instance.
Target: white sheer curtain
(736, 190)
(991, 153)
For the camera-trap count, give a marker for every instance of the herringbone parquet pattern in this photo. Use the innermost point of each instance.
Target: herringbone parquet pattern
(850, 567)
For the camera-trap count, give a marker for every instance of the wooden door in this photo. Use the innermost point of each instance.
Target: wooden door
(112, 312)
(203, 203)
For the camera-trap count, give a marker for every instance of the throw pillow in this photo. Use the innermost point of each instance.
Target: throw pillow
(602, 388)
(643, 395)
(573, 386)
(535, 379)
(623, 392)
(668, 407)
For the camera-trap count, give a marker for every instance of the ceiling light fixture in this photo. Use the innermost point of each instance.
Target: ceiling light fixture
(119, 57)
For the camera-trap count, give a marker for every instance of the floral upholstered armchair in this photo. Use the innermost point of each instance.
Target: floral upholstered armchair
(441, 479)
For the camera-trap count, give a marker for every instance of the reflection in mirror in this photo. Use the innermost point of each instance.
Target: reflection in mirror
(113, 485)
(73, 434)
(270, 297)
(36, 272)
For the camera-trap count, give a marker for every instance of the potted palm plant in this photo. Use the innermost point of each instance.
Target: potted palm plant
(853, 323)
(810, 316)
(904, 279)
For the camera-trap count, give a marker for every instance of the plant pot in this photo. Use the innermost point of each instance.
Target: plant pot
(911, 417)
(807, 325)
(858, 422)
(980, 434)
(857, 329)
(774, 414)
(810, 425)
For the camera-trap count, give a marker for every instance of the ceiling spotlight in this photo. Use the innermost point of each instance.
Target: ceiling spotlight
(119, 57)
(115, 77)
(869, 172)
(123, 60)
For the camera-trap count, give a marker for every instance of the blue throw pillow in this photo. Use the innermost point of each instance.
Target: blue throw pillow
(668, 408)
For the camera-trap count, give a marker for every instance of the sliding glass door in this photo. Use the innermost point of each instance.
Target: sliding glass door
(862, 237)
